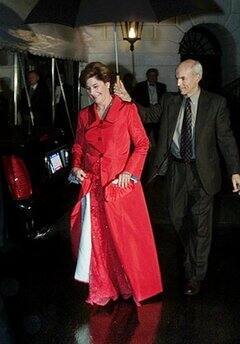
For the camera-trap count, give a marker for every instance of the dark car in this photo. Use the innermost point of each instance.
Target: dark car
(36, 190)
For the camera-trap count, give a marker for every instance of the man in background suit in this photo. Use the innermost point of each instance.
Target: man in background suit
(148, 93)
(194, 125)
(40, 103)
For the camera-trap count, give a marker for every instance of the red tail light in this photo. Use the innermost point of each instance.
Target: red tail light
(17, 177)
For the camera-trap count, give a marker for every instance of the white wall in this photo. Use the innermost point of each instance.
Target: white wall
(160, 43)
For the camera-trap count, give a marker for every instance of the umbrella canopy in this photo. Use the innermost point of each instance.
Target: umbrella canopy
(50, 40)
(84, 12)
(76, 13)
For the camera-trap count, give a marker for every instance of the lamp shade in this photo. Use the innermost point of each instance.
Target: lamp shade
(131, 31)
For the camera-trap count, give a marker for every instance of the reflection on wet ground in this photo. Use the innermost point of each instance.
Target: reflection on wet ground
(40, 303)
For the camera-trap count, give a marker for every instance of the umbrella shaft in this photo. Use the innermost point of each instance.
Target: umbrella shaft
(133, 62)
(115, 47)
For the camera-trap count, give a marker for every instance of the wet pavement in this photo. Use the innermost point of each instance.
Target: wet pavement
(41, 304)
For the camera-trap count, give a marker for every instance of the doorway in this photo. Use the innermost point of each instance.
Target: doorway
(200, 44)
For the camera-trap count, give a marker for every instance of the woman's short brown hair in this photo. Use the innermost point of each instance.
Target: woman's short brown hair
(95, 69)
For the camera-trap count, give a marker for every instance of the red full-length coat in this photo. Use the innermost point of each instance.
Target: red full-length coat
(115, 144)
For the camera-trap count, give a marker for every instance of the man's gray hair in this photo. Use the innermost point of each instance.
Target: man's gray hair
(197, 68)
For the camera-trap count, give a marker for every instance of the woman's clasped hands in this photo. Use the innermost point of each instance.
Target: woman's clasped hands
(79, 174)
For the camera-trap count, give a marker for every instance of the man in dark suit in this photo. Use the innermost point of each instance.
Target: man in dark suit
(193, 126)
(40, 103)
(149, 92)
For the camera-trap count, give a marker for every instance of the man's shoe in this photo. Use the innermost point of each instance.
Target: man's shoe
(192, 287)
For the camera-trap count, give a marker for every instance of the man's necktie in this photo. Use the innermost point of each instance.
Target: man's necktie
(186, 132)
(31, 91)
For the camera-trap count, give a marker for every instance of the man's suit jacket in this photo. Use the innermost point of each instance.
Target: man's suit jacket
(41, 106)
(141, 95)
(212, 132)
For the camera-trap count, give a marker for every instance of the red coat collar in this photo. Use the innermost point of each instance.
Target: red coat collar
(112, 114)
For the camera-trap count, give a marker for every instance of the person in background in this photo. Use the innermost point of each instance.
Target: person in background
(40, 103)
(148, 93)
(111, 234)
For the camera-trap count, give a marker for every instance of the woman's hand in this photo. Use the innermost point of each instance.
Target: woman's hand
(79, 174)
(124, 179)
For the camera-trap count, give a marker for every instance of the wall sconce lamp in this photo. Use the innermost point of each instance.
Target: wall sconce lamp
(132, 32)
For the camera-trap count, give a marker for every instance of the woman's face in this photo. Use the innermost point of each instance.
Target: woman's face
(97, 90)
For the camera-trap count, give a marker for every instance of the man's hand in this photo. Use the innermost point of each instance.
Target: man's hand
(236, 182)
(121, 91)
(79, 174)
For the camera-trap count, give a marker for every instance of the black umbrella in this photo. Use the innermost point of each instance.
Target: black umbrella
(84, 12)
(76, 13)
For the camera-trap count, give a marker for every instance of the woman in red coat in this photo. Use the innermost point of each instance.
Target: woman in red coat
(111, 233)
